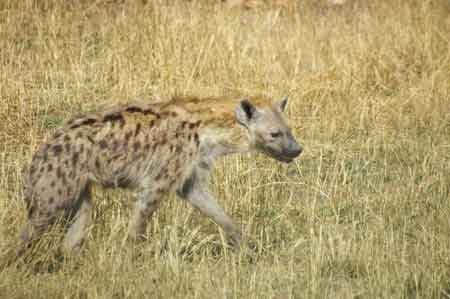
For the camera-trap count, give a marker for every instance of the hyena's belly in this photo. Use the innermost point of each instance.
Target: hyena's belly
(170, 173)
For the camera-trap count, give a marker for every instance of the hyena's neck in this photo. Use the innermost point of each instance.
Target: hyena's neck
(221, 141)
(219, 131)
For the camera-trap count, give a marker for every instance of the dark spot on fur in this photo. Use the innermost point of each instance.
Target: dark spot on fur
(183, 124)
(173, 113)
(197, 139)
(192, 125)
(160, 190)
(124, 181)
(136, 146)
(69, 190)
(75, 158)
(114, 117)
(49, 167)
(66, 138)
(187, 187)
(204, 165)
(57, 149)
(173, 180)
(79, 134)
(41, 169)
(127, 136)
(57, 134)
(97, 163)
(133, 109)
(138, 129)
(81, 148)
(115, 145)
(45, 156)
(158, 176)
(103, 144)
(59, 192)
(146, 147)
(51, 200)
(150, 111)
(52, 184)
(64, 180)
(178, 149)
(165, 114)
(59, 172)
(32, 170)
(83, 122)
(67, 147)
(90, 139)
(177, 166)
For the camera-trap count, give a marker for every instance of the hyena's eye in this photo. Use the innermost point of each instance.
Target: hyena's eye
(276, 134)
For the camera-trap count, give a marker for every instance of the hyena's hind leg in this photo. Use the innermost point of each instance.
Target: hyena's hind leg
(81, 221)
(37, 224)
(44, 213)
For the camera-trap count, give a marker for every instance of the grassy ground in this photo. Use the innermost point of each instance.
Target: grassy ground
(363, 213)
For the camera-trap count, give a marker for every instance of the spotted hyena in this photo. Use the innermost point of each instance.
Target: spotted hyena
(153, 147)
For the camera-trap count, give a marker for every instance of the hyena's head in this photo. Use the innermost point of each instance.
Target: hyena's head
(267, 129)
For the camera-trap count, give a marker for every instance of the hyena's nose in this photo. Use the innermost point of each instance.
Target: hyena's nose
(295, 150)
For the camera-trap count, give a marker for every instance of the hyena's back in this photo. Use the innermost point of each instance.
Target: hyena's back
(124, 147)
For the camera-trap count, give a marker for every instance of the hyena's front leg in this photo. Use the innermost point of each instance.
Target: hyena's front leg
(195, 191)
(147, 202)
(207, 204)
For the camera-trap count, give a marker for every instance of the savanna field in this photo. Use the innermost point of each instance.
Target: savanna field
(363, 213)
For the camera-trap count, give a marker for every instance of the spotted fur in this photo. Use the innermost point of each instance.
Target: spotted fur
(154, 147)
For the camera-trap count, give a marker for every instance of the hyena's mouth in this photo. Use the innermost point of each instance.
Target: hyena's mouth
(284, 159)
(276, 155)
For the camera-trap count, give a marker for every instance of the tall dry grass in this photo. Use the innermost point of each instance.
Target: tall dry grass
(363, 213)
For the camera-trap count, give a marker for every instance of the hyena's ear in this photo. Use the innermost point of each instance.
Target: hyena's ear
(283, 103)
(245, 112)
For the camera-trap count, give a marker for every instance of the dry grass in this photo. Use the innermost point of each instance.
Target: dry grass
(364, 213)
